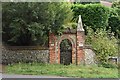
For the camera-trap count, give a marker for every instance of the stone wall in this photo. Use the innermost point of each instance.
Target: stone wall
(24, 54)
(34, 54)
(89, 56)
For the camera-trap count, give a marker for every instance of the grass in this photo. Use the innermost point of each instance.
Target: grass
(62, 70)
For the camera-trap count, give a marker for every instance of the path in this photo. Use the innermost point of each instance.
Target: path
(37, 77)
(28, 76)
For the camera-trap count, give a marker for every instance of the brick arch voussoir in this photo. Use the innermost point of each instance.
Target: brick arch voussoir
(66, 37)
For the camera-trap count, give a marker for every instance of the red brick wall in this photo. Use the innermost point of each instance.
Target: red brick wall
(80, 45)
(52, 40)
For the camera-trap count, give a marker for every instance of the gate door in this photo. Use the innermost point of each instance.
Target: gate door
(65, 52)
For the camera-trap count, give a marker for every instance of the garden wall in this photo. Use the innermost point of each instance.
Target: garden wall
(24, 54)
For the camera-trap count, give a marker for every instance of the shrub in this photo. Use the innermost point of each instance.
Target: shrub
(103, 45)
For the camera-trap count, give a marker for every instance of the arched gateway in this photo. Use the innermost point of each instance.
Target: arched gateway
(75, 38)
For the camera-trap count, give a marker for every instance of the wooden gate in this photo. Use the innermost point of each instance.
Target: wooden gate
(66, 52)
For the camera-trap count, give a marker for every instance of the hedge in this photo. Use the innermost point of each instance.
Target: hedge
(93, 15)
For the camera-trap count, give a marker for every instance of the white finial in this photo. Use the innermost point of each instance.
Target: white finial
(79, 19)
(80, 26)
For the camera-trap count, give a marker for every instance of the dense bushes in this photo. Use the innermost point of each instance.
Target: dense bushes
(93, 15)
(103, 44)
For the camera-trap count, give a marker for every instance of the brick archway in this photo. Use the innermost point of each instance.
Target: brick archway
(75, 36)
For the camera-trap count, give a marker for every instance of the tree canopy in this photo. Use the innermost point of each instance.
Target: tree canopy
(30, 23)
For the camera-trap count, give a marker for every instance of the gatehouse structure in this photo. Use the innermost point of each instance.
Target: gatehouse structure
(76, 37)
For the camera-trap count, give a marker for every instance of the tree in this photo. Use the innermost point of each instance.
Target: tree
(30, 23)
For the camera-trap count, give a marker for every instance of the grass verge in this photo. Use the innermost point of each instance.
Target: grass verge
(62, 70)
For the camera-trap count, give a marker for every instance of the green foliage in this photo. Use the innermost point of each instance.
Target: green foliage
(103, 44)
(116, 4)
(93, 15)
(62, 70)
(109, 65)
(114, 25)
(30, 23)
(114, 19)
